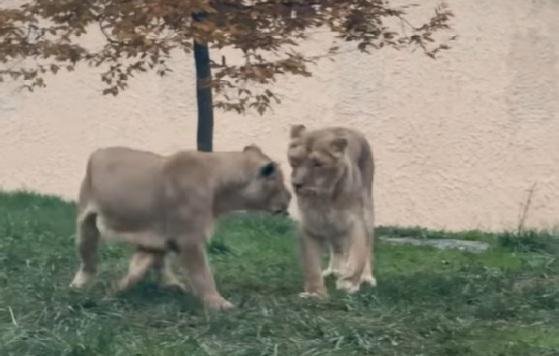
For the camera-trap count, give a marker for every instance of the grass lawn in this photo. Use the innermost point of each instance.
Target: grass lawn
(428, 302)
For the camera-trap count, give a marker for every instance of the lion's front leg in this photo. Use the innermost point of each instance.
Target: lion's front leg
(357, 245)
(311, 251)
(194, 257)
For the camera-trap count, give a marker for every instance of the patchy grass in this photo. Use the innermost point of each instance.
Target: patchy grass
(429, 302)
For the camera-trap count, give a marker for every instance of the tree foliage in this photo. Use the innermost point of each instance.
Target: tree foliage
(41, 36)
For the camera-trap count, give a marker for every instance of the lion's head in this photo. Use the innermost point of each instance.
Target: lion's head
(317, 159)
(265, 189)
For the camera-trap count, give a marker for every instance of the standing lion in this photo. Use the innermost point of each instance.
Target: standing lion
(332, 176)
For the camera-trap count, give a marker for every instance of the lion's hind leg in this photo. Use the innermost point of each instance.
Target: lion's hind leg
(140, 264)
(337, 261)
(168, 278)
(367, 276)
(357, 256)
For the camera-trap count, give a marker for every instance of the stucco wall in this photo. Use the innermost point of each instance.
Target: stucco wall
(458, 141)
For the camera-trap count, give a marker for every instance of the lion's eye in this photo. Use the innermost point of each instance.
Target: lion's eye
(317, 164)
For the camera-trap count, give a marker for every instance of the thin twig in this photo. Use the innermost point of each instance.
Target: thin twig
(12, 315)
(524, 209)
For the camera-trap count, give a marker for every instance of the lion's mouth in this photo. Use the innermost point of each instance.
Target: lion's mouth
(302, 191)
(280, 212)
(312, 193)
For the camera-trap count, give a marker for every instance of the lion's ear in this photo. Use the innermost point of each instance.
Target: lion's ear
(297, 131)
(339, 144)
(268, 169)
(252, 147)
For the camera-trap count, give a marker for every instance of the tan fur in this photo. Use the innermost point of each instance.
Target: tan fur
(332, 176)
(165, 204)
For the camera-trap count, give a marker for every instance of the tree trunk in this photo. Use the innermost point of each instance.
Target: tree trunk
(204, 137)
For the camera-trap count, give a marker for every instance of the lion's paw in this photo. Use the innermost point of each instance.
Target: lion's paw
(312, 295)
(330, 272)
(347, 286)
(218, 303)
(81, 279)
(370, 280)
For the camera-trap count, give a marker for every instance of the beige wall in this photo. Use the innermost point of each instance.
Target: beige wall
(458, 142)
